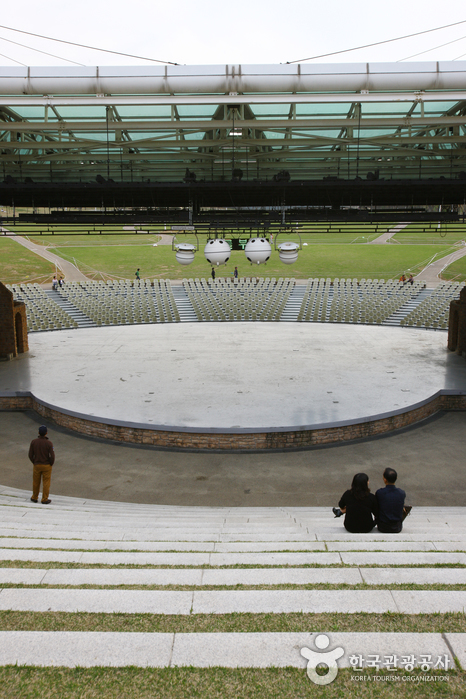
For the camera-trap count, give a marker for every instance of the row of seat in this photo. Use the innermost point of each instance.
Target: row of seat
(124, 302)
(41, 312)
(350, 301)
(266, 307)
(152, 301)
(434, 311)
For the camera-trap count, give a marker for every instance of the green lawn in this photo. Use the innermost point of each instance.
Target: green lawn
(381, 262)
(212, 683)
(19, 264)
(456, 271)
(426, 234)
(66, 235)
(335, 254)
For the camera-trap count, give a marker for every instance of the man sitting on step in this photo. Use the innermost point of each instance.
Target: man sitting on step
(391, 502)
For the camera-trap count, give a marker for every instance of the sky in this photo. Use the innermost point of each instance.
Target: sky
(206, 32)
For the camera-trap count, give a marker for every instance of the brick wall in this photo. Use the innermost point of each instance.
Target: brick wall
(13, 325)
(293, 439)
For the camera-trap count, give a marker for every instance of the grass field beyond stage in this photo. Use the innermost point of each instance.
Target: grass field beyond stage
(375, 261)
(18, 264)
(343, 252)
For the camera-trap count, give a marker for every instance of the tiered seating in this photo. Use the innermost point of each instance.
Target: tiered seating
(127, 302)
(123, 302)
(42, 313)
(434, 311)
(352, 301)
(80, 556)
(238, 299)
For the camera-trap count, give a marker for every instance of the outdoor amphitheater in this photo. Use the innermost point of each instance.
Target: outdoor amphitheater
(204, 426)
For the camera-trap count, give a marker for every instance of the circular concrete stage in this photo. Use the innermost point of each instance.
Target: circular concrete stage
(217, 385)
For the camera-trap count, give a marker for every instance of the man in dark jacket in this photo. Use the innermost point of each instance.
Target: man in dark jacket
(391, 501)
(41, 454)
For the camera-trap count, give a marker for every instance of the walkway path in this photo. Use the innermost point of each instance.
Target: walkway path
(431, 273)
(69, 271)
(385, 237)
(119, 472)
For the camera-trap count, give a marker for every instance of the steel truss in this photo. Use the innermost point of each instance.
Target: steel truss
(381, 122)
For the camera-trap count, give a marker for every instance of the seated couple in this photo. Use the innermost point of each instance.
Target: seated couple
(363, 510)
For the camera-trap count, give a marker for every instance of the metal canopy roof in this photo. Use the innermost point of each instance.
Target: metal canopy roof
(380, 121)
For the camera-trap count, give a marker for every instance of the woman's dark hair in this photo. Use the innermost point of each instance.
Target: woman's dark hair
(359, 486)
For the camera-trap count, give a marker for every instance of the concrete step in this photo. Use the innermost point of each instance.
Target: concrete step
(163, 558)
(232, 601)
(184, 305)
(233, 577)
(64, 543)
(409, 306)
(60, 297)
(219, 547)
(293, 305)
(234, 650)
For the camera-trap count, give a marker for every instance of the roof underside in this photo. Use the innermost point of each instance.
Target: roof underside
(242, 123)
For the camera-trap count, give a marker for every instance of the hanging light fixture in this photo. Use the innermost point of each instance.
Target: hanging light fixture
(258, 250)
(217, 251)
(288, 252)
(185, 253)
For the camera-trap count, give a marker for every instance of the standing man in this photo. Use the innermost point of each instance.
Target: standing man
(391, 501)
(138, 273)
(41, 454)
(213, 273)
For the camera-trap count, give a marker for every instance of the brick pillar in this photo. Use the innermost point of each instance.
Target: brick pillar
(13, 325)
(457, 325)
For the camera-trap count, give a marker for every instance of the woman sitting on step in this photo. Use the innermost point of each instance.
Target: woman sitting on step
(359, 506)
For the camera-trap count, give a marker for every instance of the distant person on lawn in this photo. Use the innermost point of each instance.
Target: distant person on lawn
(42, 455)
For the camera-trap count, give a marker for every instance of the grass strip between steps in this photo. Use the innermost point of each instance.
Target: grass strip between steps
(243, 587)
(212, 683)
(452, 622)
(18, 563)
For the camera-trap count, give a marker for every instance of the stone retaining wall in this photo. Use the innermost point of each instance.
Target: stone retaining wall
(235, 441)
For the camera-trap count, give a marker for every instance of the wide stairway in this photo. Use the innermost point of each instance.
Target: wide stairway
(227, 587)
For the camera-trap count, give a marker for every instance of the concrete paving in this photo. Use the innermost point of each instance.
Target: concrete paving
(179, 576)
(416, 576)
(74, 649)
(385, 237)
(237, 377)
(403, 559)
(232, 601)
(232, 577)
(428, 457)
(431, 273)
(458, 644)
(69, 271)
(97, 601)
